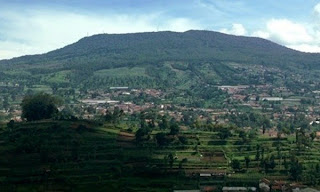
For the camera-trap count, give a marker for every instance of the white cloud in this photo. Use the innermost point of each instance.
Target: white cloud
(298, 36)
(237, 29)
(34, 32)
(316, 9)
(288, 32)
(180, 25)
(306, 48)
(9, 49)
(261, 34)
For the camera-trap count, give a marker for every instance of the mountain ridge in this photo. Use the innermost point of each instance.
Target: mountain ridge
(162, 59)
(150, 33)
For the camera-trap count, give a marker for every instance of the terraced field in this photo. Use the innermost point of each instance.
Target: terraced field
(86, 156)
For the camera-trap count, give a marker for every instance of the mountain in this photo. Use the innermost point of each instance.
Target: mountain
(162, 59)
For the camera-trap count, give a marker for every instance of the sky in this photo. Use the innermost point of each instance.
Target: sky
(39, 26)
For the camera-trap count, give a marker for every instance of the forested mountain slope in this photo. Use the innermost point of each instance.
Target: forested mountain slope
(162, 59)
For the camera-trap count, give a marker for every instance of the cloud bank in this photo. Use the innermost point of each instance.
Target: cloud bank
(304, 37)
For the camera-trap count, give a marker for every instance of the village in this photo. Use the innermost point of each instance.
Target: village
(277, 103)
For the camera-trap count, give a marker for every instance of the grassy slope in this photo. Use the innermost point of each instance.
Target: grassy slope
(99, 157)
(79, 159)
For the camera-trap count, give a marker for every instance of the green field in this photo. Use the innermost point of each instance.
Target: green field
(121, 72)
(83, 156)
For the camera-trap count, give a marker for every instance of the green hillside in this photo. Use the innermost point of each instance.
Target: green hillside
(163, 60)
(87, 156)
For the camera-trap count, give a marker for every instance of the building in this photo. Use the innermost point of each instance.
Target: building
(119, 88)
(305, 190)
(272, 99)
(93, 101)
(238, 189)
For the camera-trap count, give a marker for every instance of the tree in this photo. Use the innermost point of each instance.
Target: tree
(285, 163)
(224, 133)
(318, 168)
(235, 164)
(10, 124)
(295, 170)
(65, 114)
(142, 134)
(171, 160)
(39, 106)
(183, 140)
(161, 139)
(183, 161)
(247, 160)
(115, 116)
(174, 129)
(164, 124)
(269, 163)
(313, 136)
(272, 162)
(243, 136)
(257, 153)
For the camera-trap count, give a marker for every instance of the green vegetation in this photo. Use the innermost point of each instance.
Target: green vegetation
(39, 106)
(164, 60)
(186, 111)
(84, 155)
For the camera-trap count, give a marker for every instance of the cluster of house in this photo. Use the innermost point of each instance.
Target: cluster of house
(265, 185)
(238, 92)
(9, 84)
(224, 189)
(127, 107)
(270, 94)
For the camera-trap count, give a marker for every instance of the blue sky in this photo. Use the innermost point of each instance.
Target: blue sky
(39, 26)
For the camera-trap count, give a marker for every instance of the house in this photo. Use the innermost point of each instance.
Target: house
(265, 185)
(238, 189)
(314, 123)
(208, 188)
(272, 99)
(305, 190)
(119, 88)
(233, 189)
(93, 101)
(205, 174)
